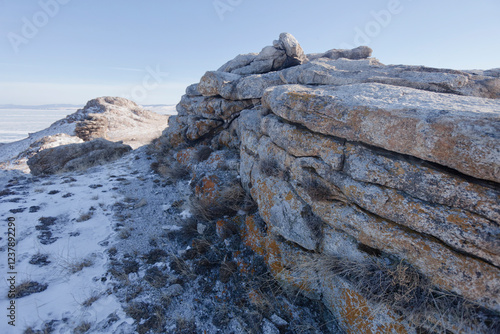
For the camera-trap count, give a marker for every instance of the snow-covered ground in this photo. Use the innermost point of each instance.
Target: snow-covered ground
(63, 226)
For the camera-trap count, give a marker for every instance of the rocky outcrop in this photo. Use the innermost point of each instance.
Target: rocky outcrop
(117, 119)
(378, 185)
(285, 52)
(78, 156)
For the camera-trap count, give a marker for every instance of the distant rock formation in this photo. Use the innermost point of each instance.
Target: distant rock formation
(112, 118)
(72, 157)
(117, 119)
(378, 185)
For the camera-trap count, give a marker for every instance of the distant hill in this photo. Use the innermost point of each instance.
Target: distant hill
(159, 108)
(41, 107)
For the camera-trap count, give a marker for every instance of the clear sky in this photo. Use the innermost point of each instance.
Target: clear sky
(70, 51)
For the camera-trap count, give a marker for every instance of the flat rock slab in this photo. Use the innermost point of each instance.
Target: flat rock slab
(76, 156)
(459, 132)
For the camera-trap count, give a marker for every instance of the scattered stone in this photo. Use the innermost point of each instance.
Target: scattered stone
(279, 322)
(18, 210)
(201, 228)
(34, 208)
(39, 260)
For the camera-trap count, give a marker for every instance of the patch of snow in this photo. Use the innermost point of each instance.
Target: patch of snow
(75, 243)
(186, 214)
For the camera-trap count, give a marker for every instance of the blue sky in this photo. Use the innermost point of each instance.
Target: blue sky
(70, 51)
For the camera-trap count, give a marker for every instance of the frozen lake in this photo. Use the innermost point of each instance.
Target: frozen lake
(15, 124)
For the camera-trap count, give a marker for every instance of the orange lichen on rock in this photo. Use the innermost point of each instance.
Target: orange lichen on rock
(356, 314)
(185, 156)
(208, 187)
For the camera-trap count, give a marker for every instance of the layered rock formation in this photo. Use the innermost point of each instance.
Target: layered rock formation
(378, 186)
(117, 119)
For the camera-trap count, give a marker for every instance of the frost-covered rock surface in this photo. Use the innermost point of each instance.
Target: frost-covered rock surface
(377, 186)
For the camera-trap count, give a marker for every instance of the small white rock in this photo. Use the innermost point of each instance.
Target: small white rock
(201, 228)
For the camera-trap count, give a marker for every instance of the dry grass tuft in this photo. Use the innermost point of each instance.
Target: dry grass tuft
(270, 167)
(189, 228)
(318, 191)
(125, 233)
(91, 300)
(405, 290)
(84, 217)
(228, 201)
(84, 327)
(79, 265)
(27, 288)
(174, 171)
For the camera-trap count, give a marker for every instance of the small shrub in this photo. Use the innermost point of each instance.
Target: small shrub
(269, 167)
(91, 300)
(155, 255)
(229, 201)
(180, 267)
(154, 324)
(29, 287)
(137, 311)
(112, 251)
(189, 229)
(202, 153)
(78, 266)
(84, 217)
(226, 271)
(174, 171)
(125, 233)
(155, 277)
(40, 260)
(84, 327)
(318, 191)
